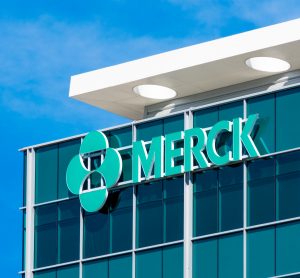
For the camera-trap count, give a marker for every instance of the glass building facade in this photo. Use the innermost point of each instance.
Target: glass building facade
(238, 220)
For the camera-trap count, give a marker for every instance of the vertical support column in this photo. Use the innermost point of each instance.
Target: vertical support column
(80, 242)
(30, 190)
(245, 206)
(133, 213)
(188, 211)
(81, 232)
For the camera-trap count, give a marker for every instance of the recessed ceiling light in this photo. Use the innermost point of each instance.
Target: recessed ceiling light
(154, 91)
(268, 64)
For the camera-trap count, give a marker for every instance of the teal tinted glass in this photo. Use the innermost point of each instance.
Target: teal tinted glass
(288, 185)
(264, 131)
(69, 230)
(218, 257)
(120, 266)
(148, 130)
(66, 151)
(95, 269)
(145, 262)
(231, 197)
(231, 110)
(287, 123)
(172, 258)
(46, 174)
(149, 214)
(68, 272)
(173, 209)
(287, 248)
(206, 117)
(45, 274)
(230, 256)
(119, 137)
(173, 124)
(45, 239)
(206, 200)
(121, 220)
(261, 253)
(261, 191)
(205, 258)
(96, 233)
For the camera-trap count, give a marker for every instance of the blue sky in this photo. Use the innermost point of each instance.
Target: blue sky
(44, 42)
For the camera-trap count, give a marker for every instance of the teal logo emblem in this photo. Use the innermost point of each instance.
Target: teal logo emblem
(94, 144)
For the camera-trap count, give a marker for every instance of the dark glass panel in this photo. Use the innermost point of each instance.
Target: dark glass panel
(261, 191)
(149, 264)
(66, 151)
(261, 253)
(264, 131)
(46, 174)
(287, 119)
(96, 233)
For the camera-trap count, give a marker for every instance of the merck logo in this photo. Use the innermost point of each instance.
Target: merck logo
(79, 172)
(198, 148)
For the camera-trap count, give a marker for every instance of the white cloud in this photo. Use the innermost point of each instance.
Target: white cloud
(214, 14)
(266, 12)
(38, 58)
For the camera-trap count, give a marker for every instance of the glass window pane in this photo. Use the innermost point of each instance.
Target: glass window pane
(206, 117)
(288, 185)
(287, 123)
(145, 262)
(121, 219)
(46, 160)
(149, 214)
(231, 256)
(95, 269)
(149, 192)
(173, 219)
(264, 131)
(261, 191)
(68, 240)
(173, 124)
(119, 137)
(231, 110)
(261, 253)
(45, 274)
(173, 261)
(206, 200)
(173, 209)
(45, 245)
(45, 235)
(231, 197)
(149, 223)
(287, 248)
(69, 209)
(66, 151)
(205, 258)
(96, 233)
(68, 272)
(120, 266)
(149, 130)
(69, 216)
(121, 225)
